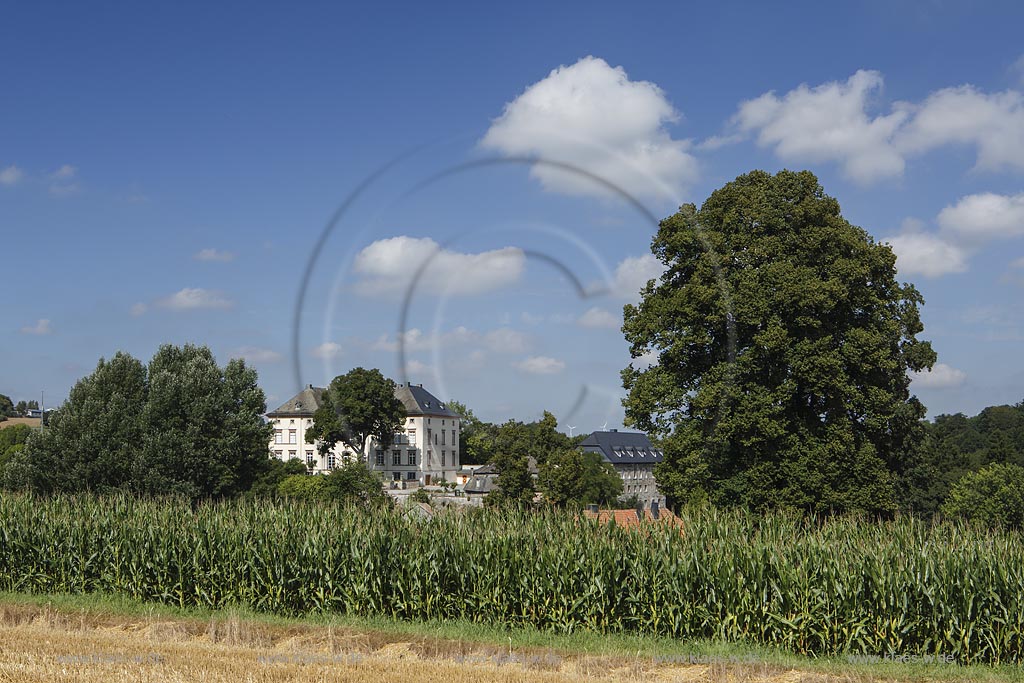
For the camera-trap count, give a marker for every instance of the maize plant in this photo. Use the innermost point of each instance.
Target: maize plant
(817, 587)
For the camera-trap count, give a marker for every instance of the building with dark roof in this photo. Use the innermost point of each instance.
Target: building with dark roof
(425, 451)
(633, 457)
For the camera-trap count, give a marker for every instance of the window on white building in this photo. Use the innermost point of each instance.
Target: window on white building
(396, 457)
(410, 475)
(278, 436)
(412, 436)
(293, 436)
(442, 437)
(443, 454)
(310, 460)
(380, 457)
(412, 457)
(278, 453)
(332, 461)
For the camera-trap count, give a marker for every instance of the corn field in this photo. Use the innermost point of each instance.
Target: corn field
(839, 587)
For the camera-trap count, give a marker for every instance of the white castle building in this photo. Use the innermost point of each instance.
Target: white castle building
(425, 451)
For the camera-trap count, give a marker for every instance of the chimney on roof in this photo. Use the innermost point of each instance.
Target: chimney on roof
(655, 509)
(592, 508)
(420, 385)
(613, 430)
(310, 386)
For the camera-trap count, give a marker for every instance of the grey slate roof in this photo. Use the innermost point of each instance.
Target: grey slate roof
(419, 401)
(416, 399)
(622, 448)
(303, 404)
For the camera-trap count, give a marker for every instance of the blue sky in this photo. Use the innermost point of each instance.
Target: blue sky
(166, 171)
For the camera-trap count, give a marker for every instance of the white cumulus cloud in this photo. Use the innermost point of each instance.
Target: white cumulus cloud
(327, 350)
(632, 274)
(828, 123)
(921, 253)
(981, 217)
(541, 365)
(255, 354)
(65, 172)
(991, 122)
(506, 340)
(591, 116)
(389, 265)
(834, 122)
(10, 175)
(941, 376)
(41, 327)
(195, 298)
(500, 340)
(211, 254)
(599, 317)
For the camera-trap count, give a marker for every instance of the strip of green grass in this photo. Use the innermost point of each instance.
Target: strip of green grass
(639, 649)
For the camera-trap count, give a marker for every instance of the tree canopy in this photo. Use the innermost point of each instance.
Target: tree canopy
(994, 496)
(356, 406)
(6, 407)
(352, 482)
(957, 445)
(181, 425)
(574, 478)
(783, 342)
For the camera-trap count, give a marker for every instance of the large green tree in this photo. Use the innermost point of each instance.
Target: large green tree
(183, 425)
(783, 342)
(356, 406)
(94, 438)
(515, 487)
(574, 478)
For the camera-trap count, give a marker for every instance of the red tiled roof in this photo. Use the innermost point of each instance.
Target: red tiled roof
(628, 518)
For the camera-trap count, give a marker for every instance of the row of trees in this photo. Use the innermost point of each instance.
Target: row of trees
(179, 425)
(20, 409)
(184, 425)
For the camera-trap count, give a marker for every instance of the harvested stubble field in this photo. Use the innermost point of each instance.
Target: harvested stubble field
(39, 642)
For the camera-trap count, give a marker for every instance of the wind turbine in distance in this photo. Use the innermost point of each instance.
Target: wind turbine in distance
(570, 430)
(604, 427)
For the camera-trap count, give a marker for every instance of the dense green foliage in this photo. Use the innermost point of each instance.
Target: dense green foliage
(957, 445)
(516, 449)
(356, 406)
(180, 425)
(6, 407)
(474, 435)
(272, 472)
(12, 440)
(783, 342)
(839, 586)
(573, 478)
(993, 495)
